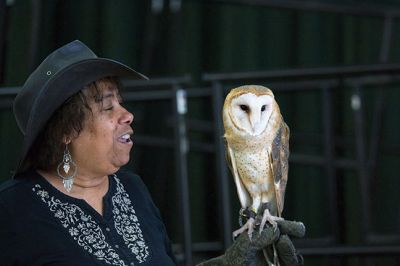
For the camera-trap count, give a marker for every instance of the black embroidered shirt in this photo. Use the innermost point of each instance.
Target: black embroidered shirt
(40, 225)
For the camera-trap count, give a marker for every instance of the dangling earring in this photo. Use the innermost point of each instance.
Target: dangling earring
(65, 167)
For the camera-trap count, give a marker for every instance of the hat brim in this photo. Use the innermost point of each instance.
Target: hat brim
(63, 85)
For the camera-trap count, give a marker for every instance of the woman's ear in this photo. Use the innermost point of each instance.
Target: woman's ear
(67, 140)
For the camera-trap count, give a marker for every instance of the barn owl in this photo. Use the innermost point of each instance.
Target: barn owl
(257, 149)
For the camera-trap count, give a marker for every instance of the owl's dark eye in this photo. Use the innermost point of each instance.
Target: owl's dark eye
(244, 107)
(263, 108)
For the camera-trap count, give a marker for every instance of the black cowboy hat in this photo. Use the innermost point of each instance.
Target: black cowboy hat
(62, 74)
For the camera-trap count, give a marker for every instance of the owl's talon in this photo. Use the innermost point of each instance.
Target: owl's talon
(267, 217)
(250, 232)
(249, 226)
(275, 226)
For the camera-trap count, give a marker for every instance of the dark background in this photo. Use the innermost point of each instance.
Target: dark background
(333, 68)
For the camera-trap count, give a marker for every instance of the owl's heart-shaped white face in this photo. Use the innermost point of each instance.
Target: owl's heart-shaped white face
(251, 112)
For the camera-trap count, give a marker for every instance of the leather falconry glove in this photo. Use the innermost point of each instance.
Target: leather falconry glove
(246, 252)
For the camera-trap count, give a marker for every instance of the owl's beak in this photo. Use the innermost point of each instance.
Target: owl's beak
(254, 119)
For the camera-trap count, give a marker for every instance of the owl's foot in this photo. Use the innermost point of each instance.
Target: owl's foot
(268, 217)
(249, 226)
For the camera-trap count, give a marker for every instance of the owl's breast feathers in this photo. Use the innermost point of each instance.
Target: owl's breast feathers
(252, 157)
(254, 169)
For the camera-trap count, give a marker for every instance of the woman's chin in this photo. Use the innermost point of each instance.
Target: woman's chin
(123, 161)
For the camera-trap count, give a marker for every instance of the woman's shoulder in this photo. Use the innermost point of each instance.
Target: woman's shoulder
(15, 192)
(9, 184)
(12, 186)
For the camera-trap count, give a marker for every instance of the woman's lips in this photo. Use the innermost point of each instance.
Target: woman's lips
(126, 138)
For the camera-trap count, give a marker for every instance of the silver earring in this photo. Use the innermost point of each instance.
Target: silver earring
(65, 167)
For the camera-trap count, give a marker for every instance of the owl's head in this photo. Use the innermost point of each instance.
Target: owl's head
(248, 109)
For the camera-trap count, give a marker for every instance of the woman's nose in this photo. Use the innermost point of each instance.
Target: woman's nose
(126, 117)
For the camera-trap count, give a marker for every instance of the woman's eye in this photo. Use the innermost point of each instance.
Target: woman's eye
(108, 108)
(263, 108)
(244, 107)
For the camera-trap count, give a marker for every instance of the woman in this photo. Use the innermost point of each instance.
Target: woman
(69, 204)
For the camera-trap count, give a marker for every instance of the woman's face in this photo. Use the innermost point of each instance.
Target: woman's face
(103, 145)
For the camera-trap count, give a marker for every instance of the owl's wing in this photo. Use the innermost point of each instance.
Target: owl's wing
(280, 164)
(244, 196)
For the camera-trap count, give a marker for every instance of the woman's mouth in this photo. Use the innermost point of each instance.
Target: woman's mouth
(126, 138)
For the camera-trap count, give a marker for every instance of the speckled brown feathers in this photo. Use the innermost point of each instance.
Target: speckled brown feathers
(280, 166)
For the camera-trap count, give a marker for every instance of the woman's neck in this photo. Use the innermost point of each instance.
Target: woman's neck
(89, 188)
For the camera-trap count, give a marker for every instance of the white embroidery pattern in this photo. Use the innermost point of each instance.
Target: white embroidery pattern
(127, 223)
(84, 230)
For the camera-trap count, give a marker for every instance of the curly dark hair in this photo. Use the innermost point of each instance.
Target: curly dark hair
(66, 122)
